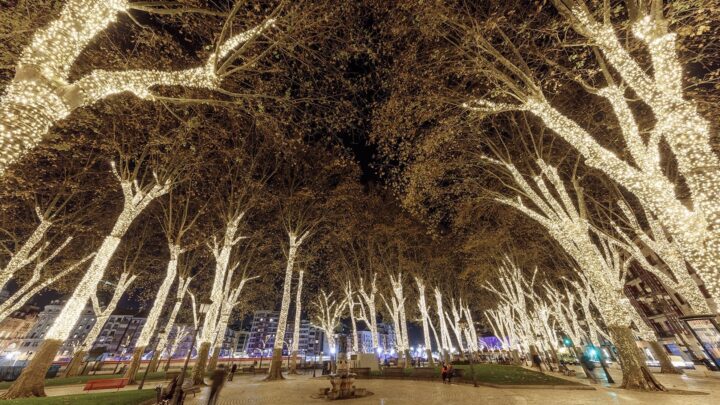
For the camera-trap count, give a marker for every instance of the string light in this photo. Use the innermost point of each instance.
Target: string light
(222, 261)
(444, 334)
(41, 95)
(369, 316)
(163, 291)
(349, 297)
(328, 316)
(696, 230)
(102, 315)
(424, 315)
(294, 245)
(135, 199)
(298, 309)
(183, 284)
(28, 252)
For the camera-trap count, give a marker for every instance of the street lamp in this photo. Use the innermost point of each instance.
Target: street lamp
(464, 325)
(316, 355)
(204, 307)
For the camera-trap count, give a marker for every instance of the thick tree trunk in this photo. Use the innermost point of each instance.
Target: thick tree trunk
(431, 361)
(408, 358)
(636, 376)
(154, 362)
(212, 364)
(198, 374)
(293, 363)
(74, 367)
(276, 365)
(515, 357)
(31, 382)
(666, 366)
(134, 364)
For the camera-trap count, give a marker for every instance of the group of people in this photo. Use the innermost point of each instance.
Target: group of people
(220, 375)
(447, 372)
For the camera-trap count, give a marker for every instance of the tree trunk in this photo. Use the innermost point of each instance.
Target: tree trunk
(293, 363)
(74, 367)
(276, 365)
(134, 364)
(636, 376)
(408, 358)
(431, 361)
(198, 374)
(154, 362)
(31, 382)
(212, 364)
(515, 357)
(666, 366)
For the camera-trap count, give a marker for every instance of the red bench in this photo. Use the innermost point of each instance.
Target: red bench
(105, 384)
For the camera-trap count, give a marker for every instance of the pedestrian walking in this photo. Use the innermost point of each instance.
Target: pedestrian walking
(537, 362)
(233, 369)
(218, 380)
(443, 372)
(450, 373)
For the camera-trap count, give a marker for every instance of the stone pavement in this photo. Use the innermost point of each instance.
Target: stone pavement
(296, 390)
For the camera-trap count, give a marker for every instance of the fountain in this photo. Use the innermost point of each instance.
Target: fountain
(342, 382)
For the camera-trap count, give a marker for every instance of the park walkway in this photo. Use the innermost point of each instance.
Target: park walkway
(297, 390)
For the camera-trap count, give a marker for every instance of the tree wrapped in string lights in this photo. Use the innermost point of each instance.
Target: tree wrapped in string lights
(41, 94)
(696, 227)
(327, 317)
(137, 195)
(553, 208)
(425, 318)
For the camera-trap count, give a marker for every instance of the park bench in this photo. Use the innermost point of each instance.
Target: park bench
(105, 384)
(362, 372)
(393, 372)
(426, 373)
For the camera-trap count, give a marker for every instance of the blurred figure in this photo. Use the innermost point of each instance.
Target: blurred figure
(218, 381)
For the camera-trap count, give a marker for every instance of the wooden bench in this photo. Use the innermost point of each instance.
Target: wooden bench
(362, 372)
(426, 373)
(105, 384)
(393, 372)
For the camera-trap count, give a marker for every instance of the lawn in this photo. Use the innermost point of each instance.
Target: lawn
(511, 375)
(54, 382)
(499, 375)
(131, 397)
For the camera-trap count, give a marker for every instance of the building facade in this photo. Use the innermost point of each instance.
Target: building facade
(263, 333)
(13, 331)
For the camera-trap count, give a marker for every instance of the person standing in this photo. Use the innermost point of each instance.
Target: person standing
(233, 369)
(218, 380)
(444, 372)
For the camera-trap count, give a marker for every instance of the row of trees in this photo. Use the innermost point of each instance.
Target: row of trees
(590, 135)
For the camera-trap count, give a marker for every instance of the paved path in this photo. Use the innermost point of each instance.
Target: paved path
(297, 390)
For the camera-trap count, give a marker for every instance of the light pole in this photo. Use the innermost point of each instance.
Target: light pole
(316, 355)
(204, 306)
(464, 325)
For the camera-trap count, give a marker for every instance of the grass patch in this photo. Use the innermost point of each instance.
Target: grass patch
(511, 375)
(131, 397)
(54, 382)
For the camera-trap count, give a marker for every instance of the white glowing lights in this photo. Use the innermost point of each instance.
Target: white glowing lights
(102, 315)
(294, 244)
(135, 200)
(162, 292)
(350, 298)
(183, 284)
(298, 309)
(29, 251)
(696, 230)
(424, 315)
(368, 311)
(327, 318)
(40, 94)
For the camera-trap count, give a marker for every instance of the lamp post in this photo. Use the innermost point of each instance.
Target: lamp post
(464, 325)
(316, 356)
(204, 306)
